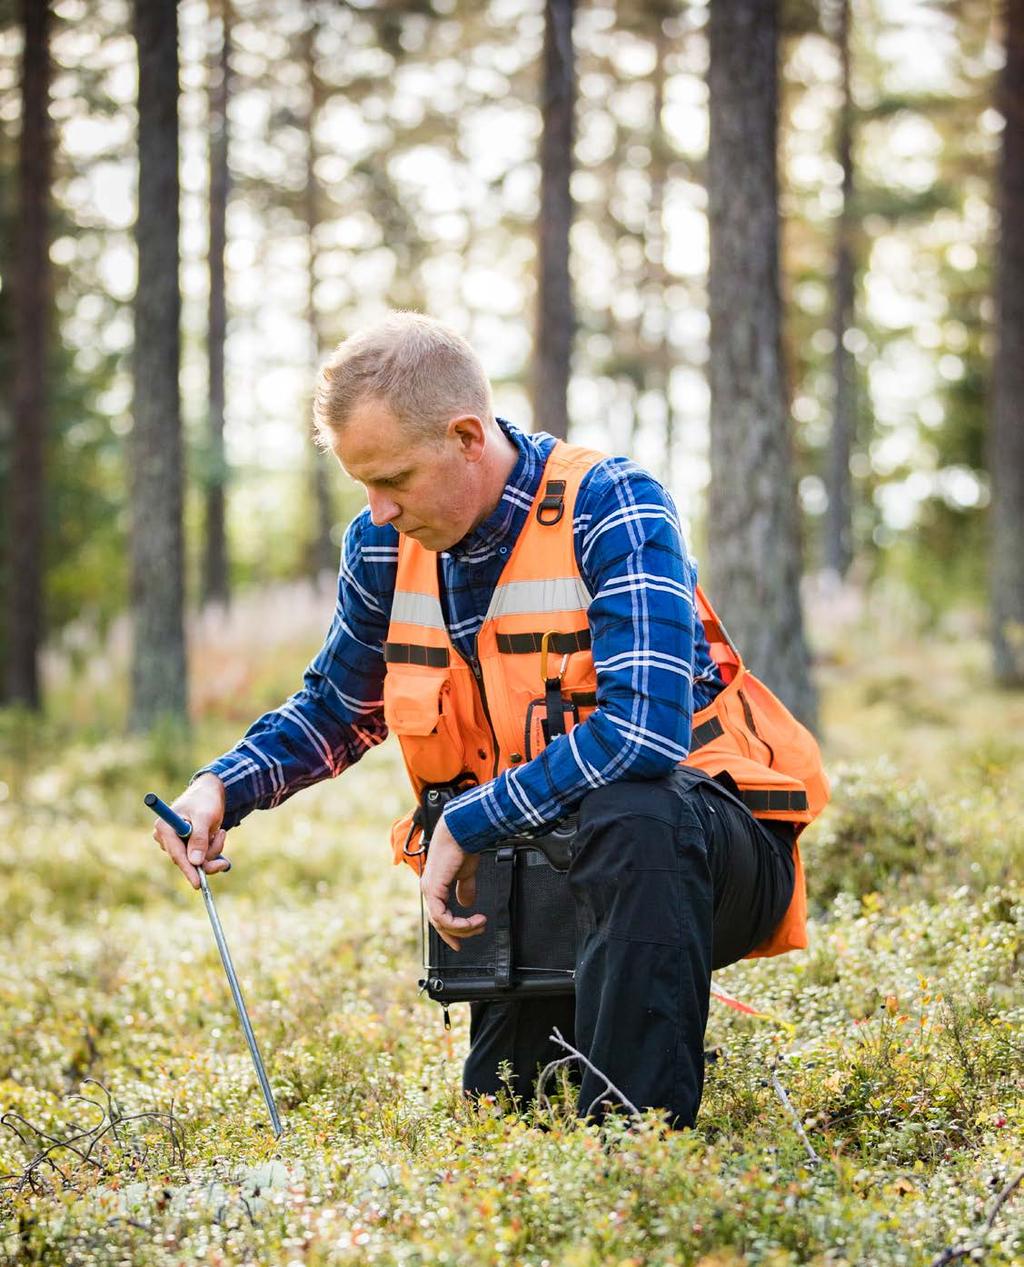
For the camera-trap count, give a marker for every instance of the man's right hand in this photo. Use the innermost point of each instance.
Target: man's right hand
(202, 804)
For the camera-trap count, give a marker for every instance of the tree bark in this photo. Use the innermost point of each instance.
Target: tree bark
(839, 519)
(32, 286)
(660, 160)
(1006, 452)
(556, 319)
(753, 527)
(321, 554)
(216, 585)
(158, 658)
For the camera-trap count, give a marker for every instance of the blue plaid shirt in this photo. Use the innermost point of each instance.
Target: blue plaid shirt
(654, 669)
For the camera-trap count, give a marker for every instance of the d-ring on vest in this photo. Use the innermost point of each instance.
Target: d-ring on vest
(534, 678)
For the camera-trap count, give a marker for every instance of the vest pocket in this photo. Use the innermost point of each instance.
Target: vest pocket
(418, 709)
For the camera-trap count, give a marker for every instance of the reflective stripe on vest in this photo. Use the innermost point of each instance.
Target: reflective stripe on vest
(528, 598)
(417, 609)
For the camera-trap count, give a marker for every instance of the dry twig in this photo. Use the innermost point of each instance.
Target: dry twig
(574, 1055)
(83, 1142)
(787, 1104)
(953, 1252)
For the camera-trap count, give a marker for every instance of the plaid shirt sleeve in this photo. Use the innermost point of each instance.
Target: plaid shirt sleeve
(631, 556)
(339, 713)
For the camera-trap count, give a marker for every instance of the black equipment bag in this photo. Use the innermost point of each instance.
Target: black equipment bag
(529, 943)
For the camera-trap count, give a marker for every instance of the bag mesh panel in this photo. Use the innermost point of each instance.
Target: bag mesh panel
(543, 931)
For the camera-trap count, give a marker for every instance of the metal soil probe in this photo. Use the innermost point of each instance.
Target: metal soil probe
(183, 829)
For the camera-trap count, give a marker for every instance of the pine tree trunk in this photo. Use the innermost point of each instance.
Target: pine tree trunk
(555, 315)
(838, 521)
(32, 314)
(158, 659)
(1007, 436)
(216, 572)
(660, 158)
(753, 526)
(321, 554)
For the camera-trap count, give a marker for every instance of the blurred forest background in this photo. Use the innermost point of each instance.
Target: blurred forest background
(822, 356)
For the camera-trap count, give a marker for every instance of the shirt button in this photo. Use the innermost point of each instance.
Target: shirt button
(503, 549)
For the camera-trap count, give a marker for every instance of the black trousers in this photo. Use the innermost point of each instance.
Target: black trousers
(670, 878)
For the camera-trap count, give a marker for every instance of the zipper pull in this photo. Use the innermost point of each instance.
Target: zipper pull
(447, 1017)
(475, 666)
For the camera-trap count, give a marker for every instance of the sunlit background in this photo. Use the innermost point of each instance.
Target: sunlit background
(420, 131)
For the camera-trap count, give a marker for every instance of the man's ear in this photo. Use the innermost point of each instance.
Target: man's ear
(468, 431)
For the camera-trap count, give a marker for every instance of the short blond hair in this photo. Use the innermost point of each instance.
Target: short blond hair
(421, 370)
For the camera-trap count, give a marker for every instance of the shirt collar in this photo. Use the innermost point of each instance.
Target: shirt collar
(502, 525)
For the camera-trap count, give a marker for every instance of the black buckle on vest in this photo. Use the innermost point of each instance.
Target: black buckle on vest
(706, 733)
(774, 802)
(411, 653)
(552, 506)
(528, 643)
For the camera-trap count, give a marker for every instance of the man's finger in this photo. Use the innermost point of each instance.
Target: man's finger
(198, 844)
(454, 939)
(216, 846)
(451, 928)
(465, 890)
(215, 860)
(174, 847)
(450, 942)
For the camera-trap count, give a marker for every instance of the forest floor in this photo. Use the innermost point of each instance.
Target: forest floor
(133, 1131)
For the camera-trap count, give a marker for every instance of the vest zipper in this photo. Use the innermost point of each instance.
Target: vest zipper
(748, 714)
(478, 674)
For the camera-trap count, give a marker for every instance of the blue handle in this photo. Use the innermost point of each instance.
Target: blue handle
(182, 828)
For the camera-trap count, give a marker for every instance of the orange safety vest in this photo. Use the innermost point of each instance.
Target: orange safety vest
(452, 721)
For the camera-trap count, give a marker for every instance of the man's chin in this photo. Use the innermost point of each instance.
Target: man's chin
(429, 538)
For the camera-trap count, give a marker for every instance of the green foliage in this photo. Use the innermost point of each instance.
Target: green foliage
(897, 1035)
(878, 829)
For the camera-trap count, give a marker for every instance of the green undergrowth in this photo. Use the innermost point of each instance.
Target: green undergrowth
(134, 1132)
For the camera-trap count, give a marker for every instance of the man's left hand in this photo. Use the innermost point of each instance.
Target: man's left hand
(446, 863)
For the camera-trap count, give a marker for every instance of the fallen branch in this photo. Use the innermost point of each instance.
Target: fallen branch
(546, 1073)
(794, 1116)
(575, 1055)
(953, 1252)
(83, 1142)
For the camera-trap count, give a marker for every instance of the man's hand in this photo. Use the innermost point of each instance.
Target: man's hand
(202, 804)
(447, 862)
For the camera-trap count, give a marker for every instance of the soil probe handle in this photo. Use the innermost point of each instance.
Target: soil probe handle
(181, 827)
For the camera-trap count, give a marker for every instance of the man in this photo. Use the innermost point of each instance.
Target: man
(484, 554)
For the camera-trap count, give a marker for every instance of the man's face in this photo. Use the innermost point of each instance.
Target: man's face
(428, 491)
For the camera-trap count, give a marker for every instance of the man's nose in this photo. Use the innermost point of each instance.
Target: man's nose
(382, 508)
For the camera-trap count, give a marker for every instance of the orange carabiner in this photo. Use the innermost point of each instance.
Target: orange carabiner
(544, 644)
